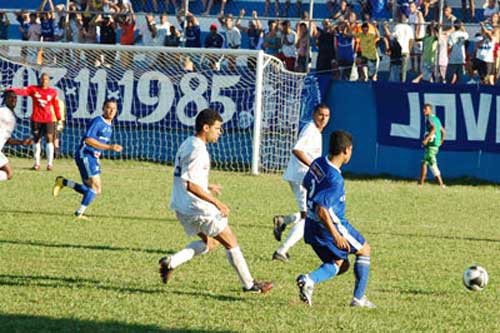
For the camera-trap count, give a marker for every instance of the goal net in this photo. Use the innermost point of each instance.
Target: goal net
(159, 92)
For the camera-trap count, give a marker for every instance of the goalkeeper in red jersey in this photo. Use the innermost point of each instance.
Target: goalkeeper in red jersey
(44, 100)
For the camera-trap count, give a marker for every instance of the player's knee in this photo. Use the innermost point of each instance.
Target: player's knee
(212, 244)
(10, 175)
(365, 250)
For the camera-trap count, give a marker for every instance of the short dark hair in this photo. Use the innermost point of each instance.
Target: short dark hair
(109, 100)
(7, 93)
(206, 117)
(339, 141)
(427, 105)
(319, 107)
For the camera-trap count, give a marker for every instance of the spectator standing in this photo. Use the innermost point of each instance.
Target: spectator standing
(148, 31)
(214, 39)
(484, 62)
(253, 31)
(47, 21)
(393, 50)
(303, 42)
(107, 29)
(345, 50)
(233, 35)
(272, 39)
(192, 32)
(126, 22)
(343, 11)
(369, 59)
(430, 43)
(472, 8)
(325, 40)
(4, 26)
(172, 39)
(288, 50)
(162, 30)
(417, 22)
(456, 52)
(403, 33)
(490, 8)
(448, 19)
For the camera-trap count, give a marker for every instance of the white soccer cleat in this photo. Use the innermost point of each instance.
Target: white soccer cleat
(363, 303)
(306, 288)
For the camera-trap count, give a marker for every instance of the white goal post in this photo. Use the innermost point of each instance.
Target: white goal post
(160, 90)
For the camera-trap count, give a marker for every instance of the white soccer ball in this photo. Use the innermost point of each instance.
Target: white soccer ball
(475, 278)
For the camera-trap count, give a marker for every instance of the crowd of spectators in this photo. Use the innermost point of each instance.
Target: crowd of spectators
(350, 43)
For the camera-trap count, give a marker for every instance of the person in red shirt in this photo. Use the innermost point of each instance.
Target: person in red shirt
(44, 99)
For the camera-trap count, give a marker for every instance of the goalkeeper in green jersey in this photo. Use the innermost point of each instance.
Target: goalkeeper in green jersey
(433, 139)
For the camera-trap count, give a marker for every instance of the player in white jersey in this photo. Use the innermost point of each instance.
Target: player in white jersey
(7, 126)
(198, 209)
(307, 148)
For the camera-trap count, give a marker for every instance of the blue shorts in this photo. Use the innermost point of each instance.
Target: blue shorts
(88, 165)
(316, 235)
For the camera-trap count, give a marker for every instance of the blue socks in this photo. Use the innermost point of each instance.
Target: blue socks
(88, 197)
(361, 272)
(80, 188)
(88, 193)
(324, 272)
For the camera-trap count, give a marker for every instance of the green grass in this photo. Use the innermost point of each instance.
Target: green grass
(101, 275)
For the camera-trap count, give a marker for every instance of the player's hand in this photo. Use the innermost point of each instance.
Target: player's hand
(224, 210)
(215, 189)
(60, 125)
(117, 148)
(342, 243)
(27, 142)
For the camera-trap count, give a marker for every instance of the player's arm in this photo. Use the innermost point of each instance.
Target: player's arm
(26, 91)
(302, 157)
(24, 142)
(327, 221)
(429, 135)
(443, 135)
(55, 105)
(103, 146)
(200, 193)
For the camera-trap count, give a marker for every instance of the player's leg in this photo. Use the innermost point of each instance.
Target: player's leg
(280, 222)
(193, 249)
(297, 231)
(49, 144)
(423, 166)
(5, 168)
(36, 130)
(236, 259)
(361, 273)
(332, 260)
(434, 166)
(94, 188)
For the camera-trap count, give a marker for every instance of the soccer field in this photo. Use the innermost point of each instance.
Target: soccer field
(102, 275)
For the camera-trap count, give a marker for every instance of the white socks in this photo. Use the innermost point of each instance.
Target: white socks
(37, 152)
(290, 219)
(295, 234)
(49, 149)
(192, 249)
(236, 259)
(3, 176)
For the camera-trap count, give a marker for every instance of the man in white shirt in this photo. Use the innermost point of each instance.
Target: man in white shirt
(403, 33)
(288, 45)
(198, 209)
(233, 36)
(307, 148)
(7, 126)
(456, 53)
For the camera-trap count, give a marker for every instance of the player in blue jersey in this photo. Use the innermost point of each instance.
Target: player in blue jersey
(95, 140)
(326, 229)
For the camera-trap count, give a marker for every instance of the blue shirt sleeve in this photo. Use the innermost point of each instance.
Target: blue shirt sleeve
(93, 129)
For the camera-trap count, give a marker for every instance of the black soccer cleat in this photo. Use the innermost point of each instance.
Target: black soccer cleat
(279, 226)
(259, 287)
(165, 270)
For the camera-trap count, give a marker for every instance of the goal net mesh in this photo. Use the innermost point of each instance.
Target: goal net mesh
(159, 92)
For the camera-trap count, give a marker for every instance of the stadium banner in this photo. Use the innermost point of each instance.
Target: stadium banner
(147, 97)
(470, 115)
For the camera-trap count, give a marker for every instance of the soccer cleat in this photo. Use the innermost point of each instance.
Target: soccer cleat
(165, 270)
(281, 257)
(259, 287)
(306, 288)
(35, 167)
(50, 167)
(81, 217)
(279, 226)
(58, 185)
(363, 303)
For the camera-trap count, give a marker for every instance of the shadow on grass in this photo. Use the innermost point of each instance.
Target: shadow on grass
(47, 281)
(459, 238)
(86, 247)
(91, 216)
(465, 181)
(31, 323)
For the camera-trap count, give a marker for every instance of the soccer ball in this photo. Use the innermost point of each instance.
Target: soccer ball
(475, 278)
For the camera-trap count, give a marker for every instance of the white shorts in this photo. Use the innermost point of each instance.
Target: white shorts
(300, 194)
(3, 159)
(210, 225)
